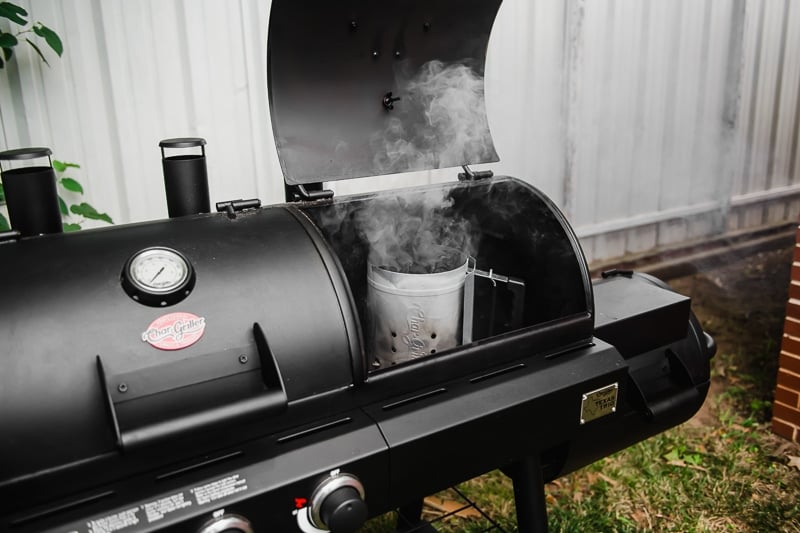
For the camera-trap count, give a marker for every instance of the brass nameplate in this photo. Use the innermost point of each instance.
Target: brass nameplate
(600, 402)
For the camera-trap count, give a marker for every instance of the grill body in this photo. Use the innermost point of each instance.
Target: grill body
(102, 427)
(209, 373)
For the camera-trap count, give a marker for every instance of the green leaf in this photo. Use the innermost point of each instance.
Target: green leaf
(50, 37)
(62, 206)
(694, 459)
(2, 194)
(7, 40)
(71, 185)
(673, 455)
(87, 211)
(61, 166)
(70, 227)
(4, 225)
(38, 51)
(13, 12)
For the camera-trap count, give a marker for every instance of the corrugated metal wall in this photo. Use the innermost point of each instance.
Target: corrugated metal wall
(650, 122)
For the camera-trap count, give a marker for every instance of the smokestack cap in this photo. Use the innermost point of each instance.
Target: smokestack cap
(358, 88)
(182, 142)
(20, 154)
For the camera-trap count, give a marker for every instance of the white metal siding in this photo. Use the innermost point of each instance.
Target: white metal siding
(649, 122)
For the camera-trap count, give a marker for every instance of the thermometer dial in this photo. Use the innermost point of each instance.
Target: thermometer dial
(158, 276)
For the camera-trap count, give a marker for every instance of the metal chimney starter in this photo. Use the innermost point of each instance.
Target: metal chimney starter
(31, 195)
(185, 178)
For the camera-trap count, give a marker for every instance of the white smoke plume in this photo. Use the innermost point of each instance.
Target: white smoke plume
(415, 233)
(440, 121)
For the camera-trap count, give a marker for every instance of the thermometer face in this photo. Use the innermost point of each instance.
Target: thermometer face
(157, 276)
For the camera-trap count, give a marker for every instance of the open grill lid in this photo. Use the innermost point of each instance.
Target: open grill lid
(363, 88)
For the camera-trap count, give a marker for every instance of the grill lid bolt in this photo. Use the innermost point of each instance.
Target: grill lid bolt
(123, 387)
(353, 25)
(389, 100)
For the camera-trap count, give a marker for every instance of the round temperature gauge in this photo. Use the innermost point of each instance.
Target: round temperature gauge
(158, 276)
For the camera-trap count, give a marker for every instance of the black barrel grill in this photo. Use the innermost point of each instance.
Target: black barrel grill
(209, 373)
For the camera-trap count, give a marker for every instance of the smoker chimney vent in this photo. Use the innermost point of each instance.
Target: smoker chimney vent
(31, 193)
(185, 178)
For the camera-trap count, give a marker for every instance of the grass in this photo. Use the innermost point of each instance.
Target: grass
(724, 471)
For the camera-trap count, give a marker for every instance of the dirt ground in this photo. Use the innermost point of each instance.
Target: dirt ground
(742, 305)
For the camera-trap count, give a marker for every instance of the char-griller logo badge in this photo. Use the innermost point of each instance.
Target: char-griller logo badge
(416, 321)
(175, 331)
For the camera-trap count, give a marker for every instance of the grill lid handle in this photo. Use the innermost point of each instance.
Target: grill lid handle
(155, 404)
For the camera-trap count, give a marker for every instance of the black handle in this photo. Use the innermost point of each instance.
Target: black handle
(673, 402)
(267, 404)
(683, 394)
(138, 416)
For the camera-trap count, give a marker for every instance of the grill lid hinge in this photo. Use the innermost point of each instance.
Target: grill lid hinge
(474, 175)
(307, 193)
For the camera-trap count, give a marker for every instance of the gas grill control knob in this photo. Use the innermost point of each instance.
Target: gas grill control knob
(338, 504)
(228, 523)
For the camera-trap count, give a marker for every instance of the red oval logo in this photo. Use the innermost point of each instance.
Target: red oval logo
(175, 331)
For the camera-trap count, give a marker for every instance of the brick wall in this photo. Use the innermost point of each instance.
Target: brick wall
(786, 409)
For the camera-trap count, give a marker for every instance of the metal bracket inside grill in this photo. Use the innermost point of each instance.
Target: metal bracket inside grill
(508, 298)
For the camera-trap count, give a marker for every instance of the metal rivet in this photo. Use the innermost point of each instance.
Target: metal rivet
(375, 54)
(397, 53)
(353, 25)
(243, 359)
(122, 387)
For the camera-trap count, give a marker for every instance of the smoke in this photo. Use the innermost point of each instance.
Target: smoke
(415, 233)
(440, 121)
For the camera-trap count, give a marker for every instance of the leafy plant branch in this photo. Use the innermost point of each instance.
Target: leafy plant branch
(9, 40)
(76, 212)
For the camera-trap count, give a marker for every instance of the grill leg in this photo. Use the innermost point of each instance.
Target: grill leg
(529, 495)
(409, 519)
